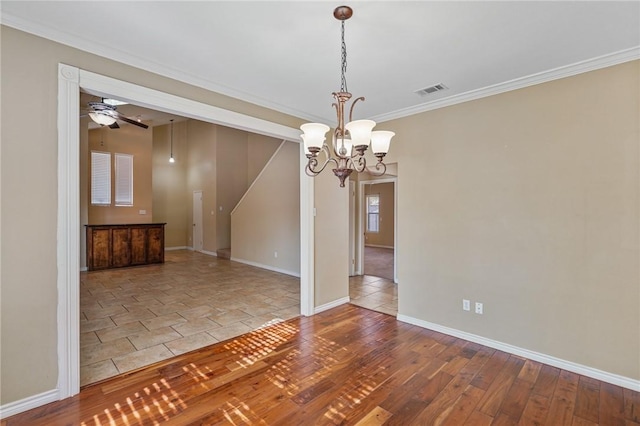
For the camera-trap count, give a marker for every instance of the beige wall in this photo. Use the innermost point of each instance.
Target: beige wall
(528, 202)
(267, 219)
(232, 179)
(331, 242)
(130, 140)
(170, 201)
(384, 237)
(202, 171)
(259, 150)
(28, 165)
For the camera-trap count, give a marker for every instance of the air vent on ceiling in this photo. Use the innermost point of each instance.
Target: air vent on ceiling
(431, 89)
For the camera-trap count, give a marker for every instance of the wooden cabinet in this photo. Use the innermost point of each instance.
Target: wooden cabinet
(117, 246)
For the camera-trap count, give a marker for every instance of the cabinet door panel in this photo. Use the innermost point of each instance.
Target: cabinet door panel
(99, 255)
(120, 248)
(138, 246)
(155, 253)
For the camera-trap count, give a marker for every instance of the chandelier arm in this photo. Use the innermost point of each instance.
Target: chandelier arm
(361, 98)
(312, 170)
(381, 169)
(358, 163)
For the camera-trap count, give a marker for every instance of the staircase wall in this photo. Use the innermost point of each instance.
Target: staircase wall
(265, 225)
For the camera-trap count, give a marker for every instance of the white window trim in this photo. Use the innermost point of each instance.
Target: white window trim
(369, 231)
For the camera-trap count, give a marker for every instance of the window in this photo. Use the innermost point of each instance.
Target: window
(100, 178)
(124, 179)
(373, 213)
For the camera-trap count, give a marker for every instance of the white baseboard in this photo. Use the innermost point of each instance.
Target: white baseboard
(375, 245)
(210, 253)
(83, 269)
(267, 267)
(35, 401)
(594, 373)
(176, 248)
(331, 305)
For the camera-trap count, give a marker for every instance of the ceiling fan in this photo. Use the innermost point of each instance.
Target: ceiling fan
(107, 115)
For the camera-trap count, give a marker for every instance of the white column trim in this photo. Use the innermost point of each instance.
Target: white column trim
(70, 80)
(307, 239)
(68, 250)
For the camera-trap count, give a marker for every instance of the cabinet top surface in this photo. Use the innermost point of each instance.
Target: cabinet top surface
(125, 225)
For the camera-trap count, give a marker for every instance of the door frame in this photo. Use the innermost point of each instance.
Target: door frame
(70, 80)
(362, 222)
(200, 246)
(352, 230)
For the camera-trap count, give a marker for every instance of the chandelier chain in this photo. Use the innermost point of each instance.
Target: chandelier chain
(343, 84)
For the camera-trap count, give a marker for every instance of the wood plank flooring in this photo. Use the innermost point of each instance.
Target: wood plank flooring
(350, 366)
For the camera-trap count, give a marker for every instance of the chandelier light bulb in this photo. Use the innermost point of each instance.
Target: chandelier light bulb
(360, 131)
(314, 135)
(380, 141)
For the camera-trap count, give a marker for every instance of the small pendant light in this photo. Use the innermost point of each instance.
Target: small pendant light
(171, 159)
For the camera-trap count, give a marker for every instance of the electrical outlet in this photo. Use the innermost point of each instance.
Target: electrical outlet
(466, 305)
(275, 254)
(479, 308)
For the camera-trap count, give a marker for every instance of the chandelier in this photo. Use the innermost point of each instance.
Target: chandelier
(350, 140)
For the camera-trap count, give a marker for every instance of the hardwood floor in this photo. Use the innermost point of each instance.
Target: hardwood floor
(348, 365)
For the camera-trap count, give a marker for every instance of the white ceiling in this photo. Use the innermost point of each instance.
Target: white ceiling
(286, 55)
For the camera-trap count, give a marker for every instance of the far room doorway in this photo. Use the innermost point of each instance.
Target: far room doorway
(374, 285)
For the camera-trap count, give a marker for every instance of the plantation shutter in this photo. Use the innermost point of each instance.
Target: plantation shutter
(124, 180)
(100, 178)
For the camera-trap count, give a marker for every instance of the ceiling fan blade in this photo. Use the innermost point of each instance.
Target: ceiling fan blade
(114, 125)
(128, 120)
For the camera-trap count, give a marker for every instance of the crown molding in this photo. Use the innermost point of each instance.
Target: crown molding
(118, 55)
(593, 64)
(99, 49)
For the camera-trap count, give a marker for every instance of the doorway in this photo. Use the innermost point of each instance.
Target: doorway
(377, 230)
(70, 81)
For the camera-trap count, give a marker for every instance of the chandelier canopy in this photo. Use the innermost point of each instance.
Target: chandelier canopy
(350, 139)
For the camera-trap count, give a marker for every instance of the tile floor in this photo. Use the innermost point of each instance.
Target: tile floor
(133, 317)
(375, 293)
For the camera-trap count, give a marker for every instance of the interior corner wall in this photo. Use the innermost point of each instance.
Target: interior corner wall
(231, 181)
(267, 220)
(331, 242)
(202, 176)
(528, 201)
(169, 182)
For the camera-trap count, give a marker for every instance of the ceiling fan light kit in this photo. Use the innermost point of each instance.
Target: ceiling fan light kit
(102, 119)
(107, 115)
(350, 140)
